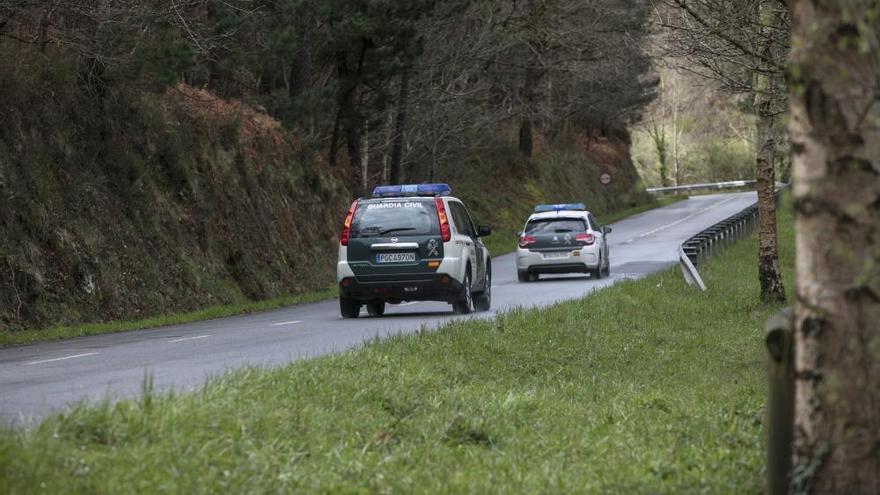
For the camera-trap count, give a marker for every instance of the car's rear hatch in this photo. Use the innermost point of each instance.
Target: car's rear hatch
(396, 239)
(554, 234)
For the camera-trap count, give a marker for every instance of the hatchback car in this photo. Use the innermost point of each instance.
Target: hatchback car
(562, 238)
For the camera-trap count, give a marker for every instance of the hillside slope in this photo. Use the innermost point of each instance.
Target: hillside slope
(154, 204)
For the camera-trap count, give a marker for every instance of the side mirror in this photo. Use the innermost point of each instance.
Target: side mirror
(606, 230)
(484, 230)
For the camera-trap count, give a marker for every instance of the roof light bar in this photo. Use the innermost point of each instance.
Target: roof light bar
(412, 190)
(560, 207)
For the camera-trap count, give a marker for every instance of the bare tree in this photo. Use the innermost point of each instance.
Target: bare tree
(835, 131)
(743, 45)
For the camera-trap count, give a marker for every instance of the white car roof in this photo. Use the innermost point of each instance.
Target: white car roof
(559, 214)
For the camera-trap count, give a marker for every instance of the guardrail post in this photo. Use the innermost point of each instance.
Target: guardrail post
(779, 339)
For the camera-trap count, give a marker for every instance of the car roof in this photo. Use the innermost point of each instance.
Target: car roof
(410, 198)
(581, 214)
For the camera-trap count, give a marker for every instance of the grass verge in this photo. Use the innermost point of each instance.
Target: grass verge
(8, 337)
(646, 387)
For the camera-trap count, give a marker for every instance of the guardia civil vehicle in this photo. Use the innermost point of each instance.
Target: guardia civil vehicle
(562, 238)
(412, 243)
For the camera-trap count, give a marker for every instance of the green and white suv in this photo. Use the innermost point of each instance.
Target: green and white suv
(412, 243)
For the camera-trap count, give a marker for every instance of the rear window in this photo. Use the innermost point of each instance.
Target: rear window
(375, 218)
(555, 226)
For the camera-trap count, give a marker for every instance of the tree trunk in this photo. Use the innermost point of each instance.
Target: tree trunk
(769, 274)
(386, 152)
(658, 136)
(301, 65)
(835, 131)
(530, 80)
(365, 158)
(399, 129)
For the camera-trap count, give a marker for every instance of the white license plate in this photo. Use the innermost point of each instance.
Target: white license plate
(555, 254)
(395, 257)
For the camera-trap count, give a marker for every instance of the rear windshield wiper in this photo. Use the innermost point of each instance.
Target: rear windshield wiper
(396, 229)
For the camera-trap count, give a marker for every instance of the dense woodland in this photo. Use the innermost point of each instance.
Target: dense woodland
(392, 90)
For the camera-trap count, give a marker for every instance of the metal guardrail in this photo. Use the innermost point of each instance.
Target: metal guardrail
(712, 240)
(709, 242)
(709, 185)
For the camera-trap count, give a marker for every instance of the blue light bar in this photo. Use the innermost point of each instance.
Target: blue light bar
(412, 190)
(560, 207)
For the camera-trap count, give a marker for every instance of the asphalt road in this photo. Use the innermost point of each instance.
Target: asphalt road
(36, 380)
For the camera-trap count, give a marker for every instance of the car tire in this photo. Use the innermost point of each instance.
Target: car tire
(376, 309)
(483, 300)
(607, 267)
(349, 307)
(596, 273)
(465, 304)
(522, 276)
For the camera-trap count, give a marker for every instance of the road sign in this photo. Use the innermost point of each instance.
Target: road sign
(605, 178)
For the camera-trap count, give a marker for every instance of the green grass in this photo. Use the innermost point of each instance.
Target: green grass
(647, 387)
(9, 337)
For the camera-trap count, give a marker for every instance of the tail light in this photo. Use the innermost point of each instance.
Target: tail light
(444, 221)
(587, 238)
(346, 227)
(525, 240)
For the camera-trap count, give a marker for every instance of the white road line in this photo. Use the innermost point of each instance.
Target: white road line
(286, 323)
(174, 341)
(692, 215)
(61, 359)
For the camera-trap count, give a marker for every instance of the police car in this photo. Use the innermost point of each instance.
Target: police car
(412, 243)
(562, 238)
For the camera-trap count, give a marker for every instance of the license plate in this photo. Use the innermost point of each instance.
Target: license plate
(555, 254)
(395, 257)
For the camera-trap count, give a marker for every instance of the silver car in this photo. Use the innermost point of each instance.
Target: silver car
(562, 238)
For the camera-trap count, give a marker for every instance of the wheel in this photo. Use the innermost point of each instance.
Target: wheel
(465, 305)
(376, 309)
(597, 273)
(349, 307)
(522, 276)
(483, 300)
(533, 277)
(607, 267)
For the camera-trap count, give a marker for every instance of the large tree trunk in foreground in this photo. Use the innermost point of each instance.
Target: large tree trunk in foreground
(835, 129)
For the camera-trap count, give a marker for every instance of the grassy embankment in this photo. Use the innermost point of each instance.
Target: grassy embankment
(647, 387)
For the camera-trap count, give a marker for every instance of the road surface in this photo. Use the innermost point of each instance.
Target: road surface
(36, 380)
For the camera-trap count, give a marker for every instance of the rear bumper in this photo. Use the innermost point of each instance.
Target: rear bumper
(440, 287)
(534, 262)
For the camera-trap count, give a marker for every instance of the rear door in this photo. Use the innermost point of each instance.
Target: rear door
(555, 234)
(465, 227)
(394, 239)
(600, 236)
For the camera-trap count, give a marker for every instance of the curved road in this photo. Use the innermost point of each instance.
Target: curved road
(36, 380)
